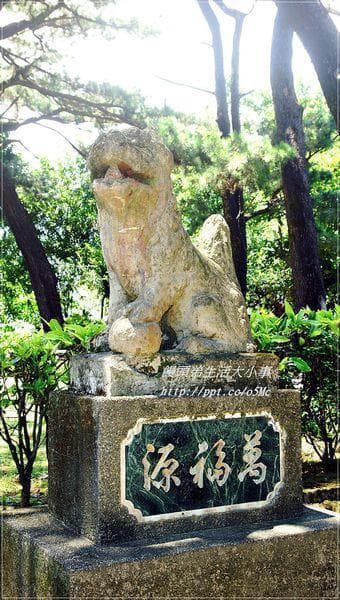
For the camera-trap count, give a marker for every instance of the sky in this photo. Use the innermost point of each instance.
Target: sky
(180, 51)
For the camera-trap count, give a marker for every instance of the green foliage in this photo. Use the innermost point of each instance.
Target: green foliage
(60, 201)
(255, 163)
(187, 140)
(306, 342)
(269, 274)
(325, 184)
(270, 331)
(250, 159)
(63, 208)
(319, 126)
(30, 367)
(34, 364)
(197, 198)
(204, 158)
(73, 335)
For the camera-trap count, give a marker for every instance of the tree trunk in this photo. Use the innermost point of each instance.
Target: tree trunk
(25, 482)
(233, 203)
(220, 82)
(43, 279)
(308, 283)
(233, 212)
(328, 456)
(235, 75)
(233, 209)
(315, 28)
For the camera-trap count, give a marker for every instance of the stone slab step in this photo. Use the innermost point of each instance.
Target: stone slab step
(294, 558)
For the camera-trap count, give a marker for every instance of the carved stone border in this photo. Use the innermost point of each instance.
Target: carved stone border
(200, 511)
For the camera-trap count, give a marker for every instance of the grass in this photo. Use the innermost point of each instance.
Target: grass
(9, 483)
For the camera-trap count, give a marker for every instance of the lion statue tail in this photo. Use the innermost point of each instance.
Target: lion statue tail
(214, 242)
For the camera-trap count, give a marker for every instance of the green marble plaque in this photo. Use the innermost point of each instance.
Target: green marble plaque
(175, 467)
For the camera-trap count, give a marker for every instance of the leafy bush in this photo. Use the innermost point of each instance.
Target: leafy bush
(34, 364)
(306, 342)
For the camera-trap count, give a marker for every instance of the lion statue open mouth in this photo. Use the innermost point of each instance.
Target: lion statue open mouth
(164, 291)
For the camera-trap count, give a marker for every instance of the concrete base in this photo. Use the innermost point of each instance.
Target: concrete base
(295, 558)
(85, 466)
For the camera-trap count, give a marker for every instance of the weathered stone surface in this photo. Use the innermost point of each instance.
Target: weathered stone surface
(160, 282)
(135, 338)
(295, 558)
(110, 374)
(85, 460)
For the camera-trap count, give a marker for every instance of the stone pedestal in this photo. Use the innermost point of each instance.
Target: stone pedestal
(88, 473)
(169, 466)
(294, 558)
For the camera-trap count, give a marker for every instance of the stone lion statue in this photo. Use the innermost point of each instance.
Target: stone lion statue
(165, 292)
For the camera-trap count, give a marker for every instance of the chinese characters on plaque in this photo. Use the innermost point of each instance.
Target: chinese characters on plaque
(188, 465)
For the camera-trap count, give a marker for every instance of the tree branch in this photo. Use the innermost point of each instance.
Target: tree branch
(8, 142)
(7, 437)
(331, 9)
(188, 85)
(272, 202)
(97, 21)
(35, 23)
(83, 154)
(9, 106)
(231, 12)
(10, 57)
(16, 78)
(246, 93)
(14, 125)
(3, 3)
(77, 100)
(311, 154)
